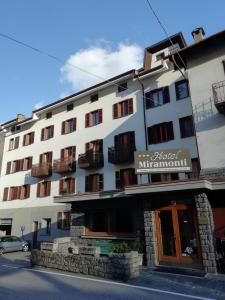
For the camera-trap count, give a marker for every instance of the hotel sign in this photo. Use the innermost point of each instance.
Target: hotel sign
(162, 161)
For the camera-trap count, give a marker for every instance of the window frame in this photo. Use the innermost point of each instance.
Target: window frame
(123, 108)
(184, 133)
(157, 133)
(180, 82)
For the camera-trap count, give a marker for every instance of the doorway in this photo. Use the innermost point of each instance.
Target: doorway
(177, 235)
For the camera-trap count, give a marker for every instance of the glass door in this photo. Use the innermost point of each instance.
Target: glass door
(176, 234)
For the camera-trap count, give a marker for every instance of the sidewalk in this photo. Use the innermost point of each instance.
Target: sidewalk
(213, 286)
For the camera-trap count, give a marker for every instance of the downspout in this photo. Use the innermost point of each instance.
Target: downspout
(143, 112)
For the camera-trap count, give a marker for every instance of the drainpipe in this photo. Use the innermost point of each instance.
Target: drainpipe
(144, 115)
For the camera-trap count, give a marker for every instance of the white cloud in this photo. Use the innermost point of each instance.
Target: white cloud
(38, 105)
(100, 60)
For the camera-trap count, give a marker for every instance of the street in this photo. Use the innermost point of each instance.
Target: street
(18, 279)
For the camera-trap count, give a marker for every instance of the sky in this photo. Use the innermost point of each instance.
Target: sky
(102, 37)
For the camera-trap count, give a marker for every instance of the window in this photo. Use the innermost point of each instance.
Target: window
(94, 98)
(17, 192)
(63, 220)
(47, 133)
(160, 133)
(94, 183)
(123, 108)
(44, 189)
(186, 127)
(195, 169)
(160, 56)
(93, 118)
(19, 165)
(48, 115)
(46, 158)
(69, 107)
(164, 177)
(182, 90)
(112, 221)
(68, 153)
(45, 227)
(67, 186)
(18, 128)
(13, 128)
(28, 139)
(125, 177)
(69, 126)
(157, 97)
(126, 139)
(14, 143)
(95, 146)
(122, 87)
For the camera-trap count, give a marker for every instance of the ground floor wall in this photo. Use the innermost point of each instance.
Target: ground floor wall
(25, 221)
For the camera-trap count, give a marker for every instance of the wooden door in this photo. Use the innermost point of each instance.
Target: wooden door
(177, 236)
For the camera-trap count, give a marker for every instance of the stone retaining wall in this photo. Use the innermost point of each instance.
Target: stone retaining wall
(114, 266)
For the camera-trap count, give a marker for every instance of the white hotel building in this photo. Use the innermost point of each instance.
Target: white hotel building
(77, 154)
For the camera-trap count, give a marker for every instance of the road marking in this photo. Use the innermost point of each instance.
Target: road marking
(109, 282)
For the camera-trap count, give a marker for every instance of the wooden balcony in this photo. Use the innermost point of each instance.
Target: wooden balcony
(91, 160)
(121, 154)
(65, 165)
(41, 170)
(219, 96)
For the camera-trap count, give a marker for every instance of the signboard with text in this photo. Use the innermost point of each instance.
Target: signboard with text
(162, 161)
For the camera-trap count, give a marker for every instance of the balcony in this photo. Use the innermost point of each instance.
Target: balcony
(121, 154)
(41, 170)
(65, 165)
(91, 160)
(219, 96)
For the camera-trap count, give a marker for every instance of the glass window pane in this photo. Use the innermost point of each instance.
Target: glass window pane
(167, 233)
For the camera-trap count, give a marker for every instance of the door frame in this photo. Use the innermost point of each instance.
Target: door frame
(174, 208)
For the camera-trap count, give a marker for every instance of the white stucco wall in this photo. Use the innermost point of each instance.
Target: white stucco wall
(205, 69)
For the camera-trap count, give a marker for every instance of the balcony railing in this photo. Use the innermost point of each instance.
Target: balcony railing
(121, 154)
(91, 160)
(64, 165)
(219, 95)
(41, 170)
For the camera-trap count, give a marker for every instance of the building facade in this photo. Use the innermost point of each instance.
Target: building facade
(78, 153)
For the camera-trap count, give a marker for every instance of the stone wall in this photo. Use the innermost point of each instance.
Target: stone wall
(206, 232)
(114, 266)
(150, 238)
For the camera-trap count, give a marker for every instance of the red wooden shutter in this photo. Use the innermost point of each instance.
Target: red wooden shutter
(48, 188)
(27, 195)
(39, 189)
(61, 186)
(73, 152)
(87, 120)
(87, 183)
(29, 162)
(59, 220)
(115, 111)
(100, 145)
(62, 154)
(149, 100)
(166, 94)
(32, 138)
(151, 135)
(117, 179)
(66, 220)
(134, 176)
(63, 130)
(74, 124)
(87, 146)
(49, 157)
(42, 134)
(170, 130)
(72, 185)
(100, 182)
(17, 139)
(100, 116)
(24, 140)
(52, 131)
(18, 191)
(5, 194)
(8, 167)
(130, 106)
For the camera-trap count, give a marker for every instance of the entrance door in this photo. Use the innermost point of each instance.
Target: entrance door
(177, 234)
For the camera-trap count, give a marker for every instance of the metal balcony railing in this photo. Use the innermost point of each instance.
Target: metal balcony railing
(41, 170)
(64, 165)
(91, 160)
(121, 154)
(218, 89)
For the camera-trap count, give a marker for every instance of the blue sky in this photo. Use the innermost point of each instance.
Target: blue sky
(107, 37)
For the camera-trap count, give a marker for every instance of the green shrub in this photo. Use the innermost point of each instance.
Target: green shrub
(121, 248)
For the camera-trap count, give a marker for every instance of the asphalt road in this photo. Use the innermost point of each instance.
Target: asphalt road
(21, 282)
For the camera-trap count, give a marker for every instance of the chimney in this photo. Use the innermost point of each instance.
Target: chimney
(198, 34)
(20, 117)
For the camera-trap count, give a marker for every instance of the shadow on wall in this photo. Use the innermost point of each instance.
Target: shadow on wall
(206, 116)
